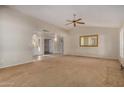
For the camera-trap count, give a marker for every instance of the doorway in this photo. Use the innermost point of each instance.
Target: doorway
(47, 46)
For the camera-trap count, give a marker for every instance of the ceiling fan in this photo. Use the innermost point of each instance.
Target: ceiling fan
(75, 21)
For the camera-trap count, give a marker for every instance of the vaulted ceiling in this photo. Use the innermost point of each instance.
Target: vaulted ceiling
(92, 15)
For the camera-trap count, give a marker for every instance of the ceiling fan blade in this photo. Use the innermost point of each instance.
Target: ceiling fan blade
(78, 19)
(69, 20)
(68, 23)
(80, 22)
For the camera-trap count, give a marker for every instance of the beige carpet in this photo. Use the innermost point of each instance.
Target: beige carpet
(64, 71)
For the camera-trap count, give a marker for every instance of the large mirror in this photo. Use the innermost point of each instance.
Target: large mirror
(89, 41)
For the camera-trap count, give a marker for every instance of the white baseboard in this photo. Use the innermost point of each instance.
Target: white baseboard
(21, 63)
(102, 57)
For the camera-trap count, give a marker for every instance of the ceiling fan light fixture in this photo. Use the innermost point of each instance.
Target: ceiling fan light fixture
(75, 21)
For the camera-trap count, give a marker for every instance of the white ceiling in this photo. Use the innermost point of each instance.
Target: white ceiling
(92, 15)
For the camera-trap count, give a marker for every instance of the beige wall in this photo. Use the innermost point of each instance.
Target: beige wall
(108, 42)
(16, 36)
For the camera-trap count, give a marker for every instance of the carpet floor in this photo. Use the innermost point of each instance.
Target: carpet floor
(64, 71)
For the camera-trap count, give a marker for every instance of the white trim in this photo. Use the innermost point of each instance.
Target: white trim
(121, 43)
(30, 61)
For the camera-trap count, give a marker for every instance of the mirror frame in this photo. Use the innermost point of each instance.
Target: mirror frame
(89, 36)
